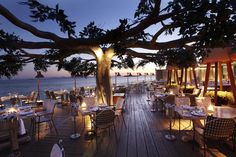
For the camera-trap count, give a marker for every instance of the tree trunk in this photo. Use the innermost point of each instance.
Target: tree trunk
(103, 79)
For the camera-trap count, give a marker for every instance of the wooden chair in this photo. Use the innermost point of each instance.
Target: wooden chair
(46, 116)
(57, 150)
(218, 129)
(47, 93)
(32, 98)
(182, 101)
(192, 97)
(104, 119)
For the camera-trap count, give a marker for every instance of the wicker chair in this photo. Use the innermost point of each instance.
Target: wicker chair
(182, 101)
(220, 129)
(104, 119)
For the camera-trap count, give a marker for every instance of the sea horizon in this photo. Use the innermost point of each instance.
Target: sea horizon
(26, 85)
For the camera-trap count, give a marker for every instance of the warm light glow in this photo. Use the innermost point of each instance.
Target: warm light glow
(171, 92)
(210, 108)
(98, 52)
(83, 105)
(93, 93)
(12, 110)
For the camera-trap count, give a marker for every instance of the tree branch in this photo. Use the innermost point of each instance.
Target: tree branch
(13, 19)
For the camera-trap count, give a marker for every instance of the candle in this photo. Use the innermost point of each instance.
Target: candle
(210, 108)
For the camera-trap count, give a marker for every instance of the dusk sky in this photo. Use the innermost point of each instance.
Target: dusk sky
(105, 13)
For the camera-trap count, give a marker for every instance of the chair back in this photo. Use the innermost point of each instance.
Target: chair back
(49, 105)
(105, 117)
(219, 128)
(33, 96)
(175, 90)
(47, 93)
(197, 91)
(53, 96)
(170, 99)
(182, 101)
(73, 98)
(82, 91)
(119, 103)
(57, 150)
(203, 101)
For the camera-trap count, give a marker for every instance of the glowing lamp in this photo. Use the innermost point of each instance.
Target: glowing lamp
(171, 92)
(83, 106)
(93, 93)
(210, 108)
(12, 110)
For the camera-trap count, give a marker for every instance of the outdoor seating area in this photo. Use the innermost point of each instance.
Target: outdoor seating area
(128, 128)
(146, 78)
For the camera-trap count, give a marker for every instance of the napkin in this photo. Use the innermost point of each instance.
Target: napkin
(21, 130)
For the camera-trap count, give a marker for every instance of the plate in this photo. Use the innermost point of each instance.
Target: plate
(187, 107)
(198, 113)
(23, 113)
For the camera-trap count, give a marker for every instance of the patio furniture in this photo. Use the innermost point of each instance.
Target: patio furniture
(196, 93)
(170, 113)
(54, 97)
(46, 116)
(57, 150)
(47, 93)
(218, 129)
(31, 99)
(104, 119)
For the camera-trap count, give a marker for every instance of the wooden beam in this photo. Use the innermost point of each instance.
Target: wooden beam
(177, 77)
(195, 77)
(220, 76)
(185, 78)
(207, 78)
(181, 76)
(231, 78)
(216, 83)
(190, 76)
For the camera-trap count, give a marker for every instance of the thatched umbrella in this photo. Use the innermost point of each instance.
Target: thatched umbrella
(219, 56)
(38, 76)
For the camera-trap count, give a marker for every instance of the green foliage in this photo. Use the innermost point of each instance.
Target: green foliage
(40, 64)
(179, 57)
(92, 31)
(145, 7)
(223, 97)
(41, 13)
(212, 21)
(78, 67)
(10, 66)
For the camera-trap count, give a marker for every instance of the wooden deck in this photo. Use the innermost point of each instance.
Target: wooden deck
(143, 137)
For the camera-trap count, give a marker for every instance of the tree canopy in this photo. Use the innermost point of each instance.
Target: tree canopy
(199, 24)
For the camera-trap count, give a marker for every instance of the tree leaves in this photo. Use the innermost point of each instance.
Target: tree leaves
(91, 31)
(10, 66)
(78, 67)
(41, 13)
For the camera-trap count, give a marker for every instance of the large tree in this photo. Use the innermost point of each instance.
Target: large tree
(199, 24)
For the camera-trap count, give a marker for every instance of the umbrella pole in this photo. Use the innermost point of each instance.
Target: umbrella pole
(38, 89)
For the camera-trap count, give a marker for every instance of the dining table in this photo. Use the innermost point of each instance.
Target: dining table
(11, 119)
(197, 113)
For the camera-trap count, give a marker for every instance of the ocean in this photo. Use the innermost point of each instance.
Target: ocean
(25, 86)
